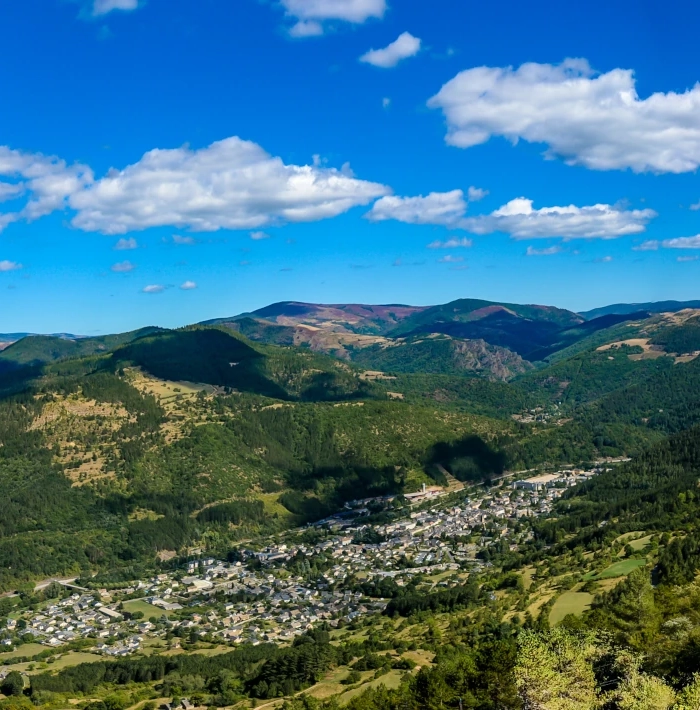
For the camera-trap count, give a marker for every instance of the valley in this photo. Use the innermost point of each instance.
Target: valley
(248, 516)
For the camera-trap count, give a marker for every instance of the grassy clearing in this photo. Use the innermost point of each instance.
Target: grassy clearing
(570, 603)
(26, 650)
(640, 543)
(421, 657)
(528, 574)
(72, 658)
(535, 607)
(330, 685)
(636, 540)
(136, 605)
(390, 680)
(273, 506)
(605, 585)
(620, 569)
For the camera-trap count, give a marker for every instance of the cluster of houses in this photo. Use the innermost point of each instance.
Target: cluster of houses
(236, 602)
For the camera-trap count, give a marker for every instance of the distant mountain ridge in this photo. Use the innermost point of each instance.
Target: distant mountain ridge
(652, 307)
(531, 331)
(352, 317)
(489, 339)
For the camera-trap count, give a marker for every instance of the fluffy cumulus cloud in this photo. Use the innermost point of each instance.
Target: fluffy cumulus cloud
(585, 118)
(445, 208)
(47, 182)
(153, 288)
(231, 184)
(6, 265)
(548, 251)
(683, 242)
(405, 46)
(311, 14)
(451, 243)
(188, 286)
(258, 236)
(522, 221)
(103, 7)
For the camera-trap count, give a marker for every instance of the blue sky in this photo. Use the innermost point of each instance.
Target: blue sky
(170, 161)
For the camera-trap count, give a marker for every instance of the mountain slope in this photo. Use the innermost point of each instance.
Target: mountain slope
(523, 329)
(346, 317)
(219, 357)
(441, 354)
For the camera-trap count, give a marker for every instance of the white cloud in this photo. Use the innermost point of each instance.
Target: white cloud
(6, 265)
(648, 245)
(405, 46)
(519, 219)
(449, 259)
(603, 260)
(445, 208)
(9, 191)
(126, 244)
(356, 11)
(231, 184)
(682, 259)
(179, 239)
(188, 286)
(451, 243)
(589, 119)
(548, 251)
(306, 28)
(474, 194)
(257, 236)
(683, 242)
(102, 7)
(123, 267)
(48, 182)
(153, 288)
(695, 207)
(386, 102)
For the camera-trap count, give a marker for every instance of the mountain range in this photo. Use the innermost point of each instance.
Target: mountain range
(496, 340)
(113, 445)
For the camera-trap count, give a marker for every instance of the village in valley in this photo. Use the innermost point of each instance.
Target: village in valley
(300, 579)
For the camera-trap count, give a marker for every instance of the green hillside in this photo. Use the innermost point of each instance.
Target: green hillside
(262, 331)
(219, 356)
(43, 349)
(441, 355)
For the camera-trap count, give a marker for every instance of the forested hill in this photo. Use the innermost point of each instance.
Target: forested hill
(112, 447)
